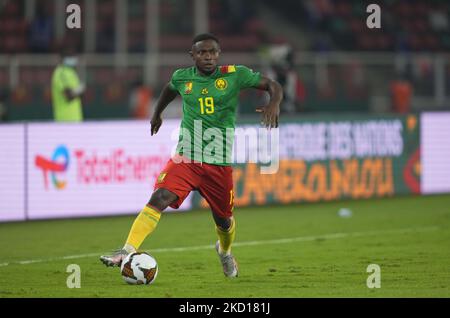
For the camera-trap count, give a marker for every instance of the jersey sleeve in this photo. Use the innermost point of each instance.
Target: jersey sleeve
(247, 77)
(174, 81)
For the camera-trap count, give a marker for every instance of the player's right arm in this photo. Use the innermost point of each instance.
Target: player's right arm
(167, 95)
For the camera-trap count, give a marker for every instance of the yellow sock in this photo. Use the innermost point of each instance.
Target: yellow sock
(226, 238)
(145, 223)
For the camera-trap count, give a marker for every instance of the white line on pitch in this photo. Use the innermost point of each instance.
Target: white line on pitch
(237, 244)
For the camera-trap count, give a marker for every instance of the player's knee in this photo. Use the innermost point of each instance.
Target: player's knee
(223, 223)
(162, 198)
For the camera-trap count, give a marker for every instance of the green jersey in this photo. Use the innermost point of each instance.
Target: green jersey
(209, 110)
(64, 110)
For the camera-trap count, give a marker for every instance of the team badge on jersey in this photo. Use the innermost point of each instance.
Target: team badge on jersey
(221, 84)
(188, 88)
(204, 91)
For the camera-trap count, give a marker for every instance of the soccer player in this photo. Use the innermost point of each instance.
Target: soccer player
(210, 97)
(67, 89)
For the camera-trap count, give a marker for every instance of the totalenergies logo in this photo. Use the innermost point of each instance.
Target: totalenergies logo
(55, 166)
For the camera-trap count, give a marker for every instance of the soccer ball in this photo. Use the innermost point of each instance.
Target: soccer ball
(139, 268)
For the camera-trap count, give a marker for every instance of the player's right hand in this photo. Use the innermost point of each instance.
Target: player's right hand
(270, 115)
(155, 123)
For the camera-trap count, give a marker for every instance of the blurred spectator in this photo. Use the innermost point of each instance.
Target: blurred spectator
(401, 94)
(3, 105)
(106, 37)
(41, 31)
(238, 13)
(322, 43)
(318, 12)
(67, 89)
(402, 42)
(282, 70)
(439, 19)
(140, 101)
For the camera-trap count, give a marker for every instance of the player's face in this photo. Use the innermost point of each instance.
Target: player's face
(206, 54)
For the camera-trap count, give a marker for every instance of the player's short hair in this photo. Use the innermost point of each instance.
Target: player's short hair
(203, 37)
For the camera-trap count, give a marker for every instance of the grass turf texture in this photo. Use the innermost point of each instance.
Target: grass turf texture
(408, 237)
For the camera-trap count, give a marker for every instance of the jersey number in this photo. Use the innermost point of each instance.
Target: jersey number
(206, 105)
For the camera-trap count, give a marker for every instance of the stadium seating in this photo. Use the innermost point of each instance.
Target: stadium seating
(175, 24)
(324, 25)
(413, 25)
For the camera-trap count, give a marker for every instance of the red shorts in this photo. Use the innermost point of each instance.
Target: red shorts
(213, 182)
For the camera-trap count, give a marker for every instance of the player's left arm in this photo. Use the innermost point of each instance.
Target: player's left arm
(271, 111)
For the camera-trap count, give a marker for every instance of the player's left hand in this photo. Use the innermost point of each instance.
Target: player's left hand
(155, 123)
(270, 114)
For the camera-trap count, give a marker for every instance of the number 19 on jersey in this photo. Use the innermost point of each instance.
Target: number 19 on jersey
(206, 105)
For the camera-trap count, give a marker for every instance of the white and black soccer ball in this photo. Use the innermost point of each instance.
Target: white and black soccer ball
(139, 268)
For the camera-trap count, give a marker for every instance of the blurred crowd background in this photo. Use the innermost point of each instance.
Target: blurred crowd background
(321, 51)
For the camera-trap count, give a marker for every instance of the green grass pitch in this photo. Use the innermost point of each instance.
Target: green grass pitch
(303, 250)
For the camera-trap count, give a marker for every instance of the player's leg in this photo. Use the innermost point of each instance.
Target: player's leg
(144, 224)
(173, 185)
(217, 189)
(226, 231)
(147, 220)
